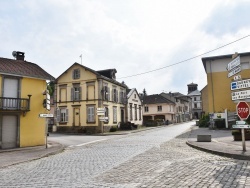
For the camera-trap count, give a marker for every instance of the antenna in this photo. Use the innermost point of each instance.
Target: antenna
(14, 54)
(81, 58)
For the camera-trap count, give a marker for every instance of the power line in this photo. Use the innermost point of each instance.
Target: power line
(186, 59)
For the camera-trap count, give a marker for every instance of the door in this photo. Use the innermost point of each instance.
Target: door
(122, 115)
(10, 90)
(76, 117)
(9, 131)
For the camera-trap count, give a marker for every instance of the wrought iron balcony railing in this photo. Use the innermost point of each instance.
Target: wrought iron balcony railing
(14, 104)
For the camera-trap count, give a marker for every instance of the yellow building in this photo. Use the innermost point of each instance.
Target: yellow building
(89, 101)
(221, 72)
(21, 101)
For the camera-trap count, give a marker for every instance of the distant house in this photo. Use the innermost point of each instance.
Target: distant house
(22, 85)
(134, 107)
(195, 95)
(158, 107)
(89, 101)
(182, 106)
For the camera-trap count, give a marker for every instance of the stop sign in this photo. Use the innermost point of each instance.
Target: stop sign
(242, 109)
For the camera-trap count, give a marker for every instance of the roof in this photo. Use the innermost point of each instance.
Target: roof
(172, 96)
(212, 58)
(130, 92)
(192, 84)
(99, 76)
(155, 99)
(23, 68)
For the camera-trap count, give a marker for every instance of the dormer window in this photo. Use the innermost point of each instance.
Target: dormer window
(76, 74)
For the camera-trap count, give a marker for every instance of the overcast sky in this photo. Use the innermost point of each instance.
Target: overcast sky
(132, 36)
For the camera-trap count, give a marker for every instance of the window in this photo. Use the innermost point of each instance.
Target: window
(146, 108)
(106, 114)
(135, 96)
(62, 115)
(135, 112)
(194, 98)
(76, 74)
(115, 95)
(91, 114)
(159, 108)
(139, 112)
(122, 96)
(115, 114)
(130, 111)
(76, 92)
(195, 105)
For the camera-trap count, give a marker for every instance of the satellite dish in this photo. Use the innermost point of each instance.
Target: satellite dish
(14, 53)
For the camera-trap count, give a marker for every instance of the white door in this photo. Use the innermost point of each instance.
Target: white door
(10, 89)
(9, 131)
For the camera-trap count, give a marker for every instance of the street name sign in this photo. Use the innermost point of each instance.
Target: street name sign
(242, 84)
(100, 111)
(234, 63)
(241, 123)
(241, 126)
(242, 109)
(103, 118)
(234, 71)
(240, 95)
(46, 115)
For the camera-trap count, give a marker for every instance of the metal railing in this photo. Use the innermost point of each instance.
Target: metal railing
(14, 104)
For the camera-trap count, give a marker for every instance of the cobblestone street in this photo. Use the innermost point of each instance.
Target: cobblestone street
(146, 159)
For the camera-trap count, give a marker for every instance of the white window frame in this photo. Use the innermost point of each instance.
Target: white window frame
(91, 114)
(114, 114)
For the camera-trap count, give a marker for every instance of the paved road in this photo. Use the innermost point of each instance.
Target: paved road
(147, 159)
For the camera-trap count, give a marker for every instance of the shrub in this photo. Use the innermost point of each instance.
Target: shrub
(113, 129)
(204, 121)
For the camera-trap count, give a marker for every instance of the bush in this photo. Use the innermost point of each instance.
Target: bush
(204, 121)
(113, 129)
(151, 123)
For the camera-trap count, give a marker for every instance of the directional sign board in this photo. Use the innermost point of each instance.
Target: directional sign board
(100, 111)
(241, 126)
(233, 64)
(46, 115)
(241, 95)
(234, 71)
(242, 84)
(103, 118)
(241, 123)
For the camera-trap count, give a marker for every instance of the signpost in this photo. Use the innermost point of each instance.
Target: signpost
(46, 116)
(242, 109)
(234, 63)
(245, 94)
(234, 71)
(242, 84)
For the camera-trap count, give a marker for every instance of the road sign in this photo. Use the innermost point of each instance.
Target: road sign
(242, 84)
(242, 110)
(234, 71)
(46, 115)
(241, 126)
(237, 77)
(241, 123)
(234, 63)
(103, 118)
(241, 95)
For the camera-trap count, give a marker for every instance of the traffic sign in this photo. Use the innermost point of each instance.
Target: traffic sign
(242, 84)
(234, 71)
(234, 63)
(241, 126)
(242, 109)
(245, 94)
(46, 115)
(241, 123)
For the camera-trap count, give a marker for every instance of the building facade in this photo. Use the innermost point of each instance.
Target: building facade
(196, 106)
(219, 94)
(88, 101)
(21, 104)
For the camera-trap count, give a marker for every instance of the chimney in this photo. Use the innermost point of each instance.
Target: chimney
(18, 55)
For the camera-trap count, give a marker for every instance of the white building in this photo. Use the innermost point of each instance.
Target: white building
(195, 94)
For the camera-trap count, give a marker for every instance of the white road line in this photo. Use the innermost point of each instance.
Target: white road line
(87, 143)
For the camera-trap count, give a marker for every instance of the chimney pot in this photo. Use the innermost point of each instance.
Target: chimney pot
(20, 55)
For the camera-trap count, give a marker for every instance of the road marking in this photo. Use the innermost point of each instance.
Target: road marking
(87, 143)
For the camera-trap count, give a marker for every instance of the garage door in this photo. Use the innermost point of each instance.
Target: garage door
(9, 132)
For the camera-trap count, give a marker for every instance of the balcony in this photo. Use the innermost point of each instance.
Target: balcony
(15, 104)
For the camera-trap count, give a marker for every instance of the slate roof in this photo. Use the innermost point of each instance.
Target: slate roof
(23, 68)
(196, 92)
(155, 99)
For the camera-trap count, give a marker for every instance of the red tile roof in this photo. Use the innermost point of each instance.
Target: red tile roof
(23, 68)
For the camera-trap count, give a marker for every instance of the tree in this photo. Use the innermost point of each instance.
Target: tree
(51, 88)
(144, 92)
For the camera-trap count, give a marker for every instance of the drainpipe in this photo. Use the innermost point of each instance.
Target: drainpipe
(212, 85)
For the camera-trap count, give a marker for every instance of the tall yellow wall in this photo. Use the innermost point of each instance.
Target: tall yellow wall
(32, 128)
(219, 91)
(204, 97)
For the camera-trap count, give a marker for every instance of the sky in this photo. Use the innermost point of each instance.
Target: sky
(131, 36)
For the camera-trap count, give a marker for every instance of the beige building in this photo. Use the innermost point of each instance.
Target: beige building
(218, 95)
(157, 107)
(88, 101)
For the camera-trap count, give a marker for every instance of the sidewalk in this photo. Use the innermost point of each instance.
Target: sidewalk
(222, 143)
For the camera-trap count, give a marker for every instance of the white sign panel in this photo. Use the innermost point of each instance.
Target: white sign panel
(241, 126)
(237, 77)
(241, 95)
(234, 71)
(241, 123)
(103, 118)
(234, 63)
(219, 116)
(46, 115)
(242, 84)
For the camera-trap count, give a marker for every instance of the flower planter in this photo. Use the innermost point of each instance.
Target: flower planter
(238, 137)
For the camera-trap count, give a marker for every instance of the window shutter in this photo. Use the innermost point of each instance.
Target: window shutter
(108, 94)
(112, 95)
(80, 93)
(88, 111)
(58, 115)
(120, 96)
(72, 94)
(117, 96)
(66, 115)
